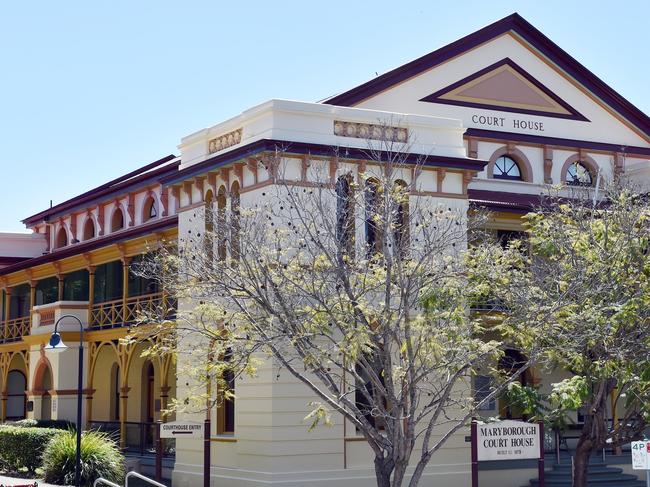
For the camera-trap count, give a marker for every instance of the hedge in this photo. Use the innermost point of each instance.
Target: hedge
(59, 424)
(22, 447)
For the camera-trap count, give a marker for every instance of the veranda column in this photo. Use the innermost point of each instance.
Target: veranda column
(4, 405)
(3, 413)
(60, 290)
(164, 398)
(32, 302)
(7, 312)
(124, 396)
(92, 357)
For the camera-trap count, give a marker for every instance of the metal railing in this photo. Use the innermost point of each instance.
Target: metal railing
(103, 481)
(109, 314)
(130, 475)
(137, 475)
(140, 437)
(16, 328)
(118, 313)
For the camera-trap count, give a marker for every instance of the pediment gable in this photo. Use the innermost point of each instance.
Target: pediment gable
(505, 86)
(508, 71)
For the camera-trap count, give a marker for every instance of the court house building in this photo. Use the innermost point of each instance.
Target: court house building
(501, 113)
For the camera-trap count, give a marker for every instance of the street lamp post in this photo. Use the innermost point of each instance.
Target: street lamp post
(57, 345)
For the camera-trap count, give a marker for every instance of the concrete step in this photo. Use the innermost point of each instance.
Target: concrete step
(590, 483)
(595, 477)
(561, 470)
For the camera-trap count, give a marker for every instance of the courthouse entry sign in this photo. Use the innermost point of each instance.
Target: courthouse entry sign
(182, 429)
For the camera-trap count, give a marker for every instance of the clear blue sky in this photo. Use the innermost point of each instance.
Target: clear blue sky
(91, 90)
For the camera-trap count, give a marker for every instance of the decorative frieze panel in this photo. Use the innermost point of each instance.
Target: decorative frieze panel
(370, 131)
(224, 141)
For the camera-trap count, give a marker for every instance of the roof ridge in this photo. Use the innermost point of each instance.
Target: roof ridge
(110, 184)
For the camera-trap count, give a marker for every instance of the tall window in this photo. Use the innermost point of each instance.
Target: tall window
(373, 220)
(61, 238)
(368, 394)
(226, 408)
(345, 214)
(401, 221)
(149, 210)
(75, 286)
(89, 229)
(235, 223)
(221, 224)
(117, 221)
(47, 291)
(577, 174)
(209, 225)
(505, 167)
(108, 282)
(139, 285)
(16, 395)
(509, 364)
(19, 304)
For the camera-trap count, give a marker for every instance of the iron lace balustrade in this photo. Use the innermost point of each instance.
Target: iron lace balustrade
(15, 329)
(118, 313)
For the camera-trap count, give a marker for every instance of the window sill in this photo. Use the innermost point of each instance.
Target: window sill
(224, 439)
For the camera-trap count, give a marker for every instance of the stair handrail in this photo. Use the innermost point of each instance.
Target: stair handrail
(103, 481)
(141, 477)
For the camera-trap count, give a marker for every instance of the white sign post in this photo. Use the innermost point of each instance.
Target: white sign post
(641, 458)
(182, 429)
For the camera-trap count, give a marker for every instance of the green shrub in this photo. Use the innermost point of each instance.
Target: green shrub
(100, 457)
(22, 447)
(59, 424)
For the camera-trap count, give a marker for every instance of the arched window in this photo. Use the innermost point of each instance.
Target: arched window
(401, 218)
(373, 223)
(221, 224)
(150, 210)
(16, 395)
(61, 238)
(209, 225)
(226, 408)
(89, 229)
(510, 364)
(117, 221)
(235, 223)
(345, 214)
(577, 174)
(506, 167)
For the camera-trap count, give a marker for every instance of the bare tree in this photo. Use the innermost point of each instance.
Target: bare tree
(356, 285)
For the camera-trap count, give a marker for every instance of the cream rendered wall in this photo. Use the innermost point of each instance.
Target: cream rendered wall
(22, 244)
(273, 444)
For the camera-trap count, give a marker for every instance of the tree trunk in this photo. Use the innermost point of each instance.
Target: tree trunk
(383, 471)
(581, 459)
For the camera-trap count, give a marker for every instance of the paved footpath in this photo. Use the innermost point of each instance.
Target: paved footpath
(11, 481)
